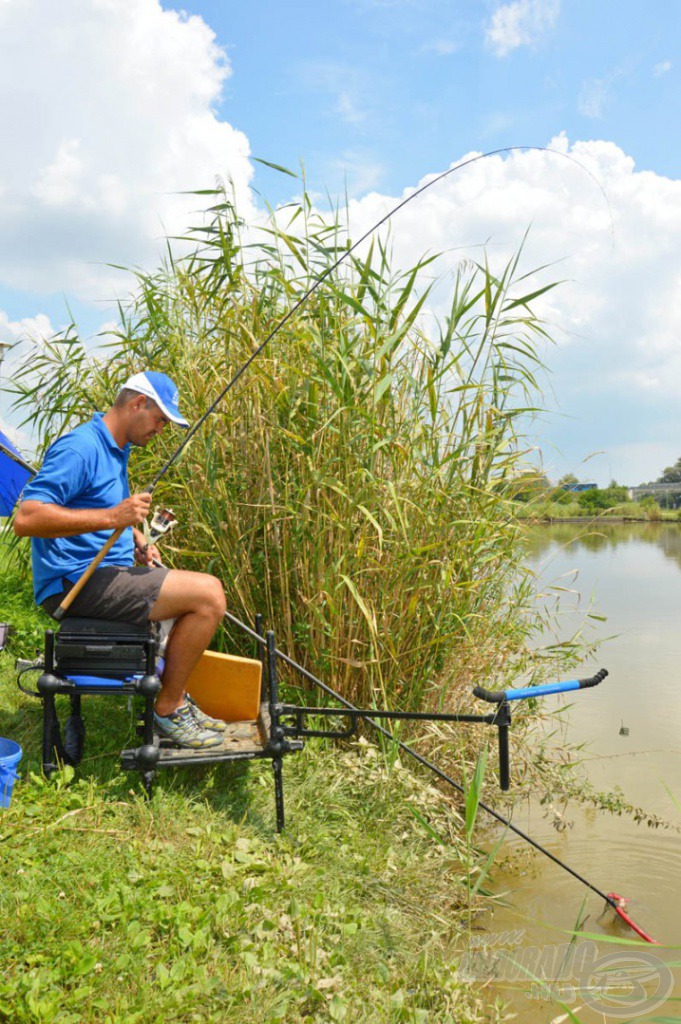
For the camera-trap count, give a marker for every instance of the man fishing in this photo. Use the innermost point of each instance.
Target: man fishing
(69, 509)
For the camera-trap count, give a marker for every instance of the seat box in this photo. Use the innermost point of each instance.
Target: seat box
(100, 647)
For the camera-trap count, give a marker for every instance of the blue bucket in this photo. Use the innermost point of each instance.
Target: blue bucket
(10, 755)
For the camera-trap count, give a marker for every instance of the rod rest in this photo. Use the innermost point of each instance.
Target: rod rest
(497, 696)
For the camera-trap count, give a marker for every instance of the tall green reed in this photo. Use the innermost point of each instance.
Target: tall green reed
(353, 486)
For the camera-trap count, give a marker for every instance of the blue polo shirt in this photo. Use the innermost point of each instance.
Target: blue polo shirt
(83, 469)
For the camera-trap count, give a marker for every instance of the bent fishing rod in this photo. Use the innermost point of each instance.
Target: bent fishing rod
(59, 613)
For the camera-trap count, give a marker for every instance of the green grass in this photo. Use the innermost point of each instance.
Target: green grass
(191, 908)
(354, 488)
(541, 509)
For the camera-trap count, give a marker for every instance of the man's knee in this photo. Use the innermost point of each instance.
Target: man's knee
(185, 593)
(215, 596)
(208, 596)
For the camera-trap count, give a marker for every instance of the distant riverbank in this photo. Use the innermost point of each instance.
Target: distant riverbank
(631, 512)
(664, 517)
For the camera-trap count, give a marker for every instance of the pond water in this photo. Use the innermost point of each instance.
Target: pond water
(630, 724)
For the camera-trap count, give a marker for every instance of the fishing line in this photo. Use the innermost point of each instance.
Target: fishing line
(68, 599)
(303, 299)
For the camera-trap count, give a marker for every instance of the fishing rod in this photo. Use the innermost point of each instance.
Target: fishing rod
(78, 586)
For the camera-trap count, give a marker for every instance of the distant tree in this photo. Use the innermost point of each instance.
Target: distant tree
(618, 493)
(650, 506)
(609, 497)
(567, 480)
(672, 474)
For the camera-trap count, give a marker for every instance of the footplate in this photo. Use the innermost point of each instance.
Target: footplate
(242, 741)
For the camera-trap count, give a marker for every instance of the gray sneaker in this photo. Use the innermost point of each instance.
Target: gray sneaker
(202, 719)
(182, 728)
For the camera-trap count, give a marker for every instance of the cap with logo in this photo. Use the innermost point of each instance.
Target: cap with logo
(162, 390)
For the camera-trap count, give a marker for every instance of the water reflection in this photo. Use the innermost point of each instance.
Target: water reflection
(632, 569)
(597, 537)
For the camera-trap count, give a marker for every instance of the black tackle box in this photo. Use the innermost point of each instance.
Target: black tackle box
(100, 647)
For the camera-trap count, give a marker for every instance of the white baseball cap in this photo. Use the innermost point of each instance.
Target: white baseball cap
(162, 390)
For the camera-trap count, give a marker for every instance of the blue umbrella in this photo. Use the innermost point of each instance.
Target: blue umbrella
(15, 472)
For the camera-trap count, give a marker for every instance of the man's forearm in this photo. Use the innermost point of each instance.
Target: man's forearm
(35, 519)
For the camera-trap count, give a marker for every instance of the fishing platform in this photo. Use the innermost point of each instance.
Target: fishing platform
(95, 656)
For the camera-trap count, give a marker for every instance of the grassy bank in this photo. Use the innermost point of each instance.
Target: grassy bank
(190, 907)
(631, 512)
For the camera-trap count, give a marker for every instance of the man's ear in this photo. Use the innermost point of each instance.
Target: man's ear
(138, 403)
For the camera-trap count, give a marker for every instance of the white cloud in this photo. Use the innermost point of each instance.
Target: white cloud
(663, 68)
(19, 439)
(616, 370)
(108, 109)
(520, 23)
(29, 329)
(596, 93)
(354, 172)
(348, 108)
(15, 337)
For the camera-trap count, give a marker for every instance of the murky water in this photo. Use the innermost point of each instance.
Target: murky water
(632, 572)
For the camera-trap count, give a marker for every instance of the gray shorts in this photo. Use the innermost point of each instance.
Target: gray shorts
(124, 593)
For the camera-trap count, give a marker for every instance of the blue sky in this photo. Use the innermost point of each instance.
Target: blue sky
(412, 84)
(399, 89)
(137, 100)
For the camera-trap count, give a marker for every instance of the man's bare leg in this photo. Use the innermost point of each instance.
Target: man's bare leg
(197, 601)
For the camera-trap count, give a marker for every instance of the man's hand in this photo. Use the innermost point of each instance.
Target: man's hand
(145, 553)
(131, 511)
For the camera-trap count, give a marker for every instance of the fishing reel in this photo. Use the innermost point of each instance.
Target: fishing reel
(162, 522)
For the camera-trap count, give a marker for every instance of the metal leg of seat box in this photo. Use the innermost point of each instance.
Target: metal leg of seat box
(277, 744)
(74, 732)
(53, 748)
(148, 686)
